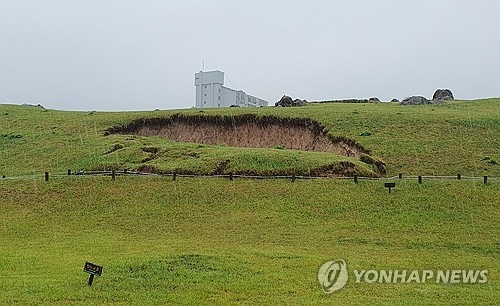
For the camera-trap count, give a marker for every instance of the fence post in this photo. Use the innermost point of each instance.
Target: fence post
(420, 179)
(3, 176)
(400, 176)
(46, 176)
(125, 170)
(355, 178)
(485, 179)
(459, 176)
(231, 176)
(113, 175)
(69, 171)
(293, 177)
(174, 176)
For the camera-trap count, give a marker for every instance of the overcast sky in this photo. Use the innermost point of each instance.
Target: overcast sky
(135, 55)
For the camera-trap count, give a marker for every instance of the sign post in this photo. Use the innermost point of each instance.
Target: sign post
(93, 270)
(390, 186)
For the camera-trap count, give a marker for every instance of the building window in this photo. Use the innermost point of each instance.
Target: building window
(205, 86)
(205, 95)
(219, 89)
(219, 97)
(204, 102)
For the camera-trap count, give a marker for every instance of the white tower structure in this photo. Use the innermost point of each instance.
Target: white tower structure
(211, 92)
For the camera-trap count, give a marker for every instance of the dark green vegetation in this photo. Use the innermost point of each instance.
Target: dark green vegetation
(211, 240)
(216, 241)
(429, 139)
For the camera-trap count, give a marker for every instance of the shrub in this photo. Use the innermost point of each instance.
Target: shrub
(489, 160)
(492, 162)
(12, 136)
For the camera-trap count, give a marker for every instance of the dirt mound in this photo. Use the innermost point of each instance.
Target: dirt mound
(247, 130)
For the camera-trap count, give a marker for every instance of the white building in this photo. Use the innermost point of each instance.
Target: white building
(210, 92)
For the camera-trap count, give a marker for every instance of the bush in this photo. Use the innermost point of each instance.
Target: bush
(492, 162)
(489, 160)
(12, 136)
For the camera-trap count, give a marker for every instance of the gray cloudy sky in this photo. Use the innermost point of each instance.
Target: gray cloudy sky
(134, 55)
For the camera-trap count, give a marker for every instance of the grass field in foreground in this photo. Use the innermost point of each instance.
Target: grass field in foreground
(214, 241)
(457, 136)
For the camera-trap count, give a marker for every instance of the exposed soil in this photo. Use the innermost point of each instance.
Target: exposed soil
(246, 130)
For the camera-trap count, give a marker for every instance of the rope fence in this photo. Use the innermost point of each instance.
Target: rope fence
(113, 174)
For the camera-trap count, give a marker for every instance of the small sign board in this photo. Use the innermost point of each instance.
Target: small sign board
(390, 186)
(92, 269)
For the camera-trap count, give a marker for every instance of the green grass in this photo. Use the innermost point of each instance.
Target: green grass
(245, 241)
(211, 240)
(421, 140)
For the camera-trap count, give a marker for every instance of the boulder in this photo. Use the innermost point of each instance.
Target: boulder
(415, 100)
(287, 101)
(395, 100)
(443, 94)
(298, 102)
(374, 100)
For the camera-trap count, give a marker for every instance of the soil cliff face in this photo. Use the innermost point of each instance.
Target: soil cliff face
(245, 131)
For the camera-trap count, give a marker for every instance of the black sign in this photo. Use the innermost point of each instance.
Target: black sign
(390, 186)
(92, 268)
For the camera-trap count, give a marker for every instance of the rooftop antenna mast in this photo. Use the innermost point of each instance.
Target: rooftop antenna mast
(203, 66)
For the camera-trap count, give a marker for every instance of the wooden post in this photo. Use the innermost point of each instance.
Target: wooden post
(355, 178)
(125, 170)
(400, 176)
(3, 176)
(91, 279)
(113, 175)
(69, 171)
(293, 177)
(459, 176)
(231, 176)
(46, 176)
(420, 179)
(174, 176)
(485, 179)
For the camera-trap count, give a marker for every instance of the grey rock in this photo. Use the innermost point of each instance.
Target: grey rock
(395, 100)
(287, 101)
(416, 100)
(374, 100)
(443, 94)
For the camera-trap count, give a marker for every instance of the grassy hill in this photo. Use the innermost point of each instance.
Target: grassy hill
(459, 136)
(211, 240)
